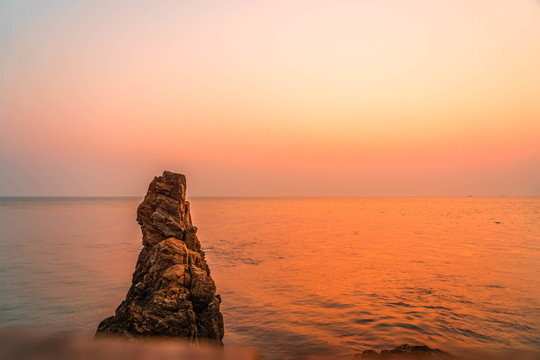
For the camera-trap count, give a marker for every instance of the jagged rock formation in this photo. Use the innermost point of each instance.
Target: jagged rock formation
(172, 293)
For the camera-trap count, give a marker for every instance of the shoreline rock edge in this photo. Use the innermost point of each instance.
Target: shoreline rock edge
(172, 293)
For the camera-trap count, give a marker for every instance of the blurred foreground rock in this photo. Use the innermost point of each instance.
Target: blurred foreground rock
(26, 344)
(172, 293)
(29, 344)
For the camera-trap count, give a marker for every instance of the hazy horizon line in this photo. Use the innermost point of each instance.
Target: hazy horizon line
(133, 197)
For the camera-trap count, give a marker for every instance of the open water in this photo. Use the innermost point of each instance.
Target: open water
(298, 276)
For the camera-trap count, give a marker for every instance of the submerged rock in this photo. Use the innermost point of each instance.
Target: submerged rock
(172, 293)
(406, 351)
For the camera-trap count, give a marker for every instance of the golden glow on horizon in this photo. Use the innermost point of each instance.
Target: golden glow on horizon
(350, 91)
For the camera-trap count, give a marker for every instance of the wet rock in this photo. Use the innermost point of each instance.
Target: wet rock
(368, 354)
(408, 352)
(172, 293)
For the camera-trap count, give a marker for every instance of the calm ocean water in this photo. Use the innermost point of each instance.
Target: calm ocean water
(298, 276)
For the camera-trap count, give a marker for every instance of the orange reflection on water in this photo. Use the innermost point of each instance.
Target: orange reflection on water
(316, 275)
(298, 276)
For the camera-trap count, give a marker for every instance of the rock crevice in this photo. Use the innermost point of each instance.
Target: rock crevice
(172, 293)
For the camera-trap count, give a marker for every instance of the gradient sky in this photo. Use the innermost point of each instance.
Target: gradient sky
(307, 97)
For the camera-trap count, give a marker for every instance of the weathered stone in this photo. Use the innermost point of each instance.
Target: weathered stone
(172, 293)
(407, 351)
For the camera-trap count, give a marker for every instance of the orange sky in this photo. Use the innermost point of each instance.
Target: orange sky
(305, 97)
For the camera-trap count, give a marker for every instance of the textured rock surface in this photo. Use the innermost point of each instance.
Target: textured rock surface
(408, 352)
(172, 293)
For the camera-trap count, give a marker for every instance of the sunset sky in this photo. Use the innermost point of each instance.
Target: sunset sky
(271, 98)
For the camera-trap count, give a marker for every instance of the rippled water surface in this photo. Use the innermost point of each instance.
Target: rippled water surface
(298, 276)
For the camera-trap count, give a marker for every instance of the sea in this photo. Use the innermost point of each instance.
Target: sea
(298, 277)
